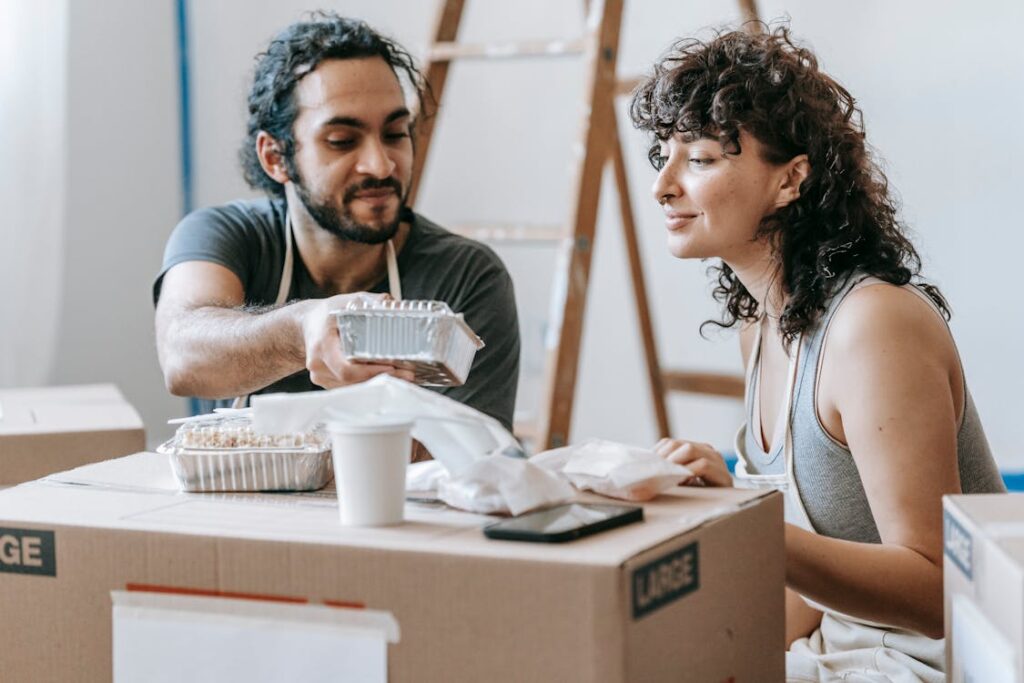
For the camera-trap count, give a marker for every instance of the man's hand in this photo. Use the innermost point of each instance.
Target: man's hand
(327, 366)
(707, 464)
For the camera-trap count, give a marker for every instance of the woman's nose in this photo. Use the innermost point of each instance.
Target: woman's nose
(665, 187)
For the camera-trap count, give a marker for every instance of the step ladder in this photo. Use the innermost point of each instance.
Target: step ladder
(600, 146)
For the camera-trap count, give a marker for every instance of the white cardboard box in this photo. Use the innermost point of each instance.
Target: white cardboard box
(984, 587)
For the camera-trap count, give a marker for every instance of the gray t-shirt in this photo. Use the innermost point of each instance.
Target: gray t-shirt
(247, 237)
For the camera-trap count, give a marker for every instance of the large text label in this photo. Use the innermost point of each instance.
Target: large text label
(27, 551)
(665, 580)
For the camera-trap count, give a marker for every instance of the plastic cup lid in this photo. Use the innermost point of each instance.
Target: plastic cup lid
(370, 425)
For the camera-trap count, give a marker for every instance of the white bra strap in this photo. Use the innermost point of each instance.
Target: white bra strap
(752, 359)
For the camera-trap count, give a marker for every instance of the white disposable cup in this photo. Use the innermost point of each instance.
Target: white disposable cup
(370, 459)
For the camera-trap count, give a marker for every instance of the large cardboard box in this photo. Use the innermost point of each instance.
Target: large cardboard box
(984, 587)
(52, 429)
(694, 593)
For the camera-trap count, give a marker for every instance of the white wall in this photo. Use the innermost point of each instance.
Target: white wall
(943, 96)
(123, 197)
(941, 91)
(32, 137)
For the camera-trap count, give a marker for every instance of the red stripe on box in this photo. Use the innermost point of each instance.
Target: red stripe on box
(345, 605)
(175, 590)
(202, 592)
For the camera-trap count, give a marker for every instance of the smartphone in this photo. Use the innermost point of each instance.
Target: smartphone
(564, 523)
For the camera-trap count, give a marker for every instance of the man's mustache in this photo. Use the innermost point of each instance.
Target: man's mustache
(372, 184)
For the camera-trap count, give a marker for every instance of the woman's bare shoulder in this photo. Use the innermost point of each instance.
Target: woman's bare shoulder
(882, 316)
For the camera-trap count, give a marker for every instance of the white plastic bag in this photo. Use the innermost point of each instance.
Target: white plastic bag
(454, 433)
(424, 477)
(614, 469)
(503, 485)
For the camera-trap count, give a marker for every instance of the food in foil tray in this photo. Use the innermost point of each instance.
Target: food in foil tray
(423, 336)
(218, 453)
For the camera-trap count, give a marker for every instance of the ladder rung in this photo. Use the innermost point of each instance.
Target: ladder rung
(716, 384)
(626, 86)
(446, 52)
(510, 232)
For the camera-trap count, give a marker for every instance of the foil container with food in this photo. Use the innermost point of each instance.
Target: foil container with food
(423, 336)
(223, 453)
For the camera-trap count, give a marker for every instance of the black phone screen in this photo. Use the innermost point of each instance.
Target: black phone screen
(564, 522)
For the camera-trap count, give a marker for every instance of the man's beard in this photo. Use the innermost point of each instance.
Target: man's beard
(339, 220)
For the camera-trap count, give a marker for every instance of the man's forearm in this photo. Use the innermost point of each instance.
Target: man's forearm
(214, 352)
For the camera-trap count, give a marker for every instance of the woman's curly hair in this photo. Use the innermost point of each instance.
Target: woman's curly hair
(844, 221)
(292, 54)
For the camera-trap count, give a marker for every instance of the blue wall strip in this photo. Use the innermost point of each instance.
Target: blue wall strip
(186, 113)
(186, 127)
(1014, 480)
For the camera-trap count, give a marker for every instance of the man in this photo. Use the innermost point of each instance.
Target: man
(330, 141)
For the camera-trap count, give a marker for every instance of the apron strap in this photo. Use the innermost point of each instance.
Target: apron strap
(289, 261)
(394, 283)
(283, 289)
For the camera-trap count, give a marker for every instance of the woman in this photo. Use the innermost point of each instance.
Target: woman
(856, 402)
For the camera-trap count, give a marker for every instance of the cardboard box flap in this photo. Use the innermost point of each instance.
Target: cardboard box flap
(133, 493)
(54, 410)
(139, 472)
(991, 509)
(997, 517)
(1014, 548)
(78, 393)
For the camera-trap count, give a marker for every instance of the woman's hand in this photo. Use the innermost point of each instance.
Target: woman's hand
(707, 464)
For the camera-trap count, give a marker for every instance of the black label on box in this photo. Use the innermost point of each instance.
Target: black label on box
(665, 580)
(957, 543)
(28, 551)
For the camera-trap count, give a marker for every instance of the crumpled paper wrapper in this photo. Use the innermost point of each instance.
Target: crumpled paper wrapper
(613, 469)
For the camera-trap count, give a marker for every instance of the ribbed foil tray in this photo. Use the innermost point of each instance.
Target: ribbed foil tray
(423, 336)
(300, 462)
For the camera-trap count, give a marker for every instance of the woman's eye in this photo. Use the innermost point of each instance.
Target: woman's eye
(701, 162)
(343, 143)
(395, 137)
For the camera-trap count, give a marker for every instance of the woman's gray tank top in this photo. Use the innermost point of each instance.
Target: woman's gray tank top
(825, 472)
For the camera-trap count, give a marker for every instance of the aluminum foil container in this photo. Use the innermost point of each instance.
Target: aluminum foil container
(224, 454)
(423, 336)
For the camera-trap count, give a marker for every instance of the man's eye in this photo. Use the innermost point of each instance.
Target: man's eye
(701, 161)
(395, 137)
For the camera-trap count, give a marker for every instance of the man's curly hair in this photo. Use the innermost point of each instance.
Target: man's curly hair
(292, 54)
(845, 220)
